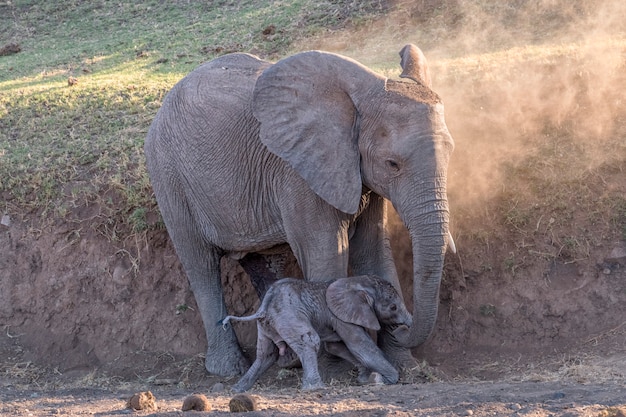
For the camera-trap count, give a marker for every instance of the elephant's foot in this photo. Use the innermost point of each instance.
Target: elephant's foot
(375, 379)
(242, 386)
(311, 385)
(366, 377)
(397, 355)
(226, 364)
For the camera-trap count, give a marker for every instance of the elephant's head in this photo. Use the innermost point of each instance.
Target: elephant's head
(367, 301)
(342, 126)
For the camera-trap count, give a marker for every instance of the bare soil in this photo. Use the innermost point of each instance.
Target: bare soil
(88, 321)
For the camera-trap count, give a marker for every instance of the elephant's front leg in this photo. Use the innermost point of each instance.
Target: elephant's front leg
(339, 349)
(318, 236)
(361, 345)
(370, 253)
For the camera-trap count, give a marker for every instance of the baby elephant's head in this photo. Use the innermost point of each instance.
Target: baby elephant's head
(388, 304)
(367, 301)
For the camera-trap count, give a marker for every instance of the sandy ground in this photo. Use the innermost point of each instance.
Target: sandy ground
(431, 399)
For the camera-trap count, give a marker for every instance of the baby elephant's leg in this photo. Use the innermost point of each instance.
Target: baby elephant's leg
(339, 349)
(266, 356)
(305, 342)
(367, 353)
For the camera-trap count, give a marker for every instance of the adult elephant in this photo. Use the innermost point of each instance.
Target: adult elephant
(246, 156)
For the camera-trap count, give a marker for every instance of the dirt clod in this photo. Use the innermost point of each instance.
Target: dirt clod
(218, 387)
(270, 30)
(241, 403)
(142, 401)
(196, 402)
(10, 49)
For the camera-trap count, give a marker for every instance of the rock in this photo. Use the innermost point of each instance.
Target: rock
(10, 48)
(218, 387)
(558, 395)
(142, 401)
(617, 255)
(618, 412)
(196, 402)
(241, 403)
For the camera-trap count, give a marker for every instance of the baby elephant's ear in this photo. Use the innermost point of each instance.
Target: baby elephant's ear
(352, 303)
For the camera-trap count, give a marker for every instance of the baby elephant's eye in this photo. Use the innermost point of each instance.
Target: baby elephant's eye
(393, 307)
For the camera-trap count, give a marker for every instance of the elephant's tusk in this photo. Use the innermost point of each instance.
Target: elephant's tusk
(451, 244)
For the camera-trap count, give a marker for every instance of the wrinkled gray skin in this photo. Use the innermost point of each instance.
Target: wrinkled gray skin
(246, 156)
(302, 314)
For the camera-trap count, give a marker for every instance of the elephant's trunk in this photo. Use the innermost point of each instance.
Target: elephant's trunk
(428, 228)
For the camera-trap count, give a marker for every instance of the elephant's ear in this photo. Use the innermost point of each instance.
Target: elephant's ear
(309, 119)
(414, 65)
(352, 303)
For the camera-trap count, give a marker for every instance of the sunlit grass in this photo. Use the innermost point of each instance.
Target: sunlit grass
(65, 144)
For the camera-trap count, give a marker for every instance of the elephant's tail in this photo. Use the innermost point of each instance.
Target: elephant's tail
(258, 315)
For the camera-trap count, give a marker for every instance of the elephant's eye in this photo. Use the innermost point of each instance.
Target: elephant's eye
(393, 165)
(393, 307)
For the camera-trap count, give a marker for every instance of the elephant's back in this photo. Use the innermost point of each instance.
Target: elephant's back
(203, 152)
(224, 81)
(206, 104)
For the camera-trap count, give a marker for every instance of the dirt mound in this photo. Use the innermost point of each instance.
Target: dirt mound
(76, 301)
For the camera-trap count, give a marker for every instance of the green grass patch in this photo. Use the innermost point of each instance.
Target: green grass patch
(90, 36)
(65, 144)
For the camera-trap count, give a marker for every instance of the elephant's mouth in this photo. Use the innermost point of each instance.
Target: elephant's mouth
(393, 326)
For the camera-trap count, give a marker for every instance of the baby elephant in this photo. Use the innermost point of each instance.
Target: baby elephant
(302, 314)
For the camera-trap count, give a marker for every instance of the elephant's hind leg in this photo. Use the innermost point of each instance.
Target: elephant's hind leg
(266, 356)
(201, 262)
(305, 342)
(224, 356)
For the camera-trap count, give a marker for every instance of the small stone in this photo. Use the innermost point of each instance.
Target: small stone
(606, 271)
(242, 403)
(196, 402)
(218, 387)
(6, 220)
(142, 401)
(617, 412)
(617, 255)
(468, 413)
(515, 407)
(10, 48)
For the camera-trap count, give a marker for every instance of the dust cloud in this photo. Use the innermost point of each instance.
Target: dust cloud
(520, 78)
